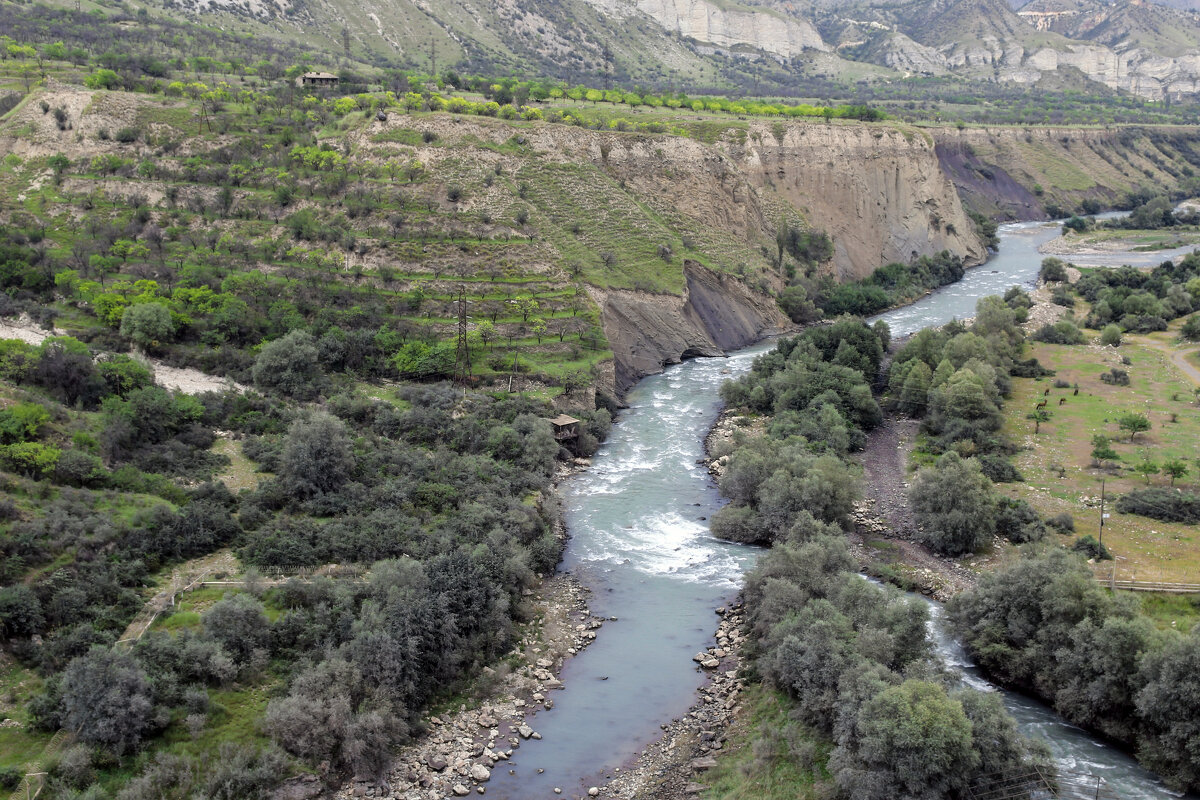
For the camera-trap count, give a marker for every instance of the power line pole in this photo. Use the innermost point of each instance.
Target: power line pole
(1102, 514)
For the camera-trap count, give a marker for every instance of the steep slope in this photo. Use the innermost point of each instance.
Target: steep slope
(1011, 174)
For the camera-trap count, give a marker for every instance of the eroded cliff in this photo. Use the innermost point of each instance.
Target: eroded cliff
(716, 313)
(1009, 173)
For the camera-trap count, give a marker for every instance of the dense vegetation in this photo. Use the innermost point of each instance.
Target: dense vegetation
(1043, 624)
(853, 657)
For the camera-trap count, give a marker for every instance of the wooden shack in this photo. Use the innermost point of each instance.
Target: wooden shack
(565, 428)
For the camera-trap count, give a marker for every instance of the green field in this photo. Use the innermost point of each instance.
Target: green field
(1056, 464)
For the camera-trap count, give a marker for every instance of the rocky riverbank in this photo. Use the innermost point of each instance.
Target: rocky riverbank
(459, 749)
(671, 767)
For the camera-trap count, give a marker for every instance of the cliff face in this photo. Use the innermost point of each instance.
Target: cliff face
(880, 192)
(1007, 173)
(715, 314)
(725, 27)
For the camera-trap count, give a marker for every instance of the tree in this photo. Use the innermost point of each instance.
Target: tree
(1102, 450)
(239, 624)
(289, 366)
(1038, 415)
(1146, 469)
(148, 325)
(1191, 328)
(1169, 710)
(955, 505)
(1133, 422)
(317, 456)
(1175, 468)
(106, 700)
(916, 740)
(538, 328)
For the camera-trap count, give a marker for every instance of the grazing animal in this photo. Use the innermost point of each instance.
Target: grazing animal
(1040, 405)
(1062, 400)
(1076, 392)
(1046, 393)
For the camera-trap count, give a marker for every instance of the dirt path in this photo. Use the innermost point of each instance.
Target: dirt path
(884, 523)
(1178, 357)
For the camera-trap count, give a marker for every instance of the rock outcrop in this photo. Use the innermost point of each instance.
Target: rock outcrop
(716, 313)
(724, 26)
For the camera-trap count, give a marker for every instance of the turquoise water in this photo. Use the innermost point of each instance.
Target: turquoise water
(640, 541)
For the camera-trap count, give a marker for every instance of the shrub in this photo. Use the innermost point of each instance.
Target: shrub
(999, 468)
(1111, 335)
(1115, 377)
(10, 778)
(1191, 328)
(1018, 522)
(1168, 505)
(1053, 269)
(1063, 523)
(1061, 332)
(1091, 548)
(954, 504)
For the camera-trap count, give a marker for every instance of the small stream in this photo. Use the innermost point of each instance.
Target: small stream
(640, 541)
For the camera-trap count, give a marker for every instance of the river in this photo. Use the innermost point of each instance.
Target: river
(640, 541)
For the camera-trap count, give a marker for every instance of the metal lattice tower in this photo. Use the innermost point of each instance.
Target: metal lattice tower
(462, 353)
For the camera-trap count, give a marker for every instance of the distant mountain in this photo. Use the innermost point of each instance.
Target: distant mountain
(1146, 48)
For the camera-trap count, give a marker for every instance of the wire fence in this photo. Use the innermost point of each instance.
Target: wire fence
(1038, 784)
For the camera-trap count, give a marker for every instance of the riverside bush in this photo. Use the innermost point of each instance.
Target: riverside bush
(1045, 625)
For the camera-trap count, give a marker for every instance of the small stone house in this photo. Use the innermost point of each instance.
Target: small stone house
(318, 79)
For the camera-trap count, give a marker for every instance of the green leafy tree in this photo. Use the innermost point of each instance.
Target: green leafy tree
(148, 325)
(914, 740)
(1146, 469)
(1038, 415)
(1133, 422)
(1102, 450)
(289, 365)
(1176, 469)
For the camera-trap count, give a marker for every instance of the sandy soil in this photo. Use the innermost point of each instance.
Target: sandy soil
(186, 380)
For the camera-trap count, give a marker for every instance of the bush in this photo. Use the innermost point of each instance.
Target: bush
(1168, 505)
(289, 365)
(1018, 522)
(1063, 523)
(955, 506)
(1091, 548)
(1115, 377)
(999, 468)
(10, 778)
(1053, 270)
(1061, 332)
(1111, 335)
(1191, 328)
